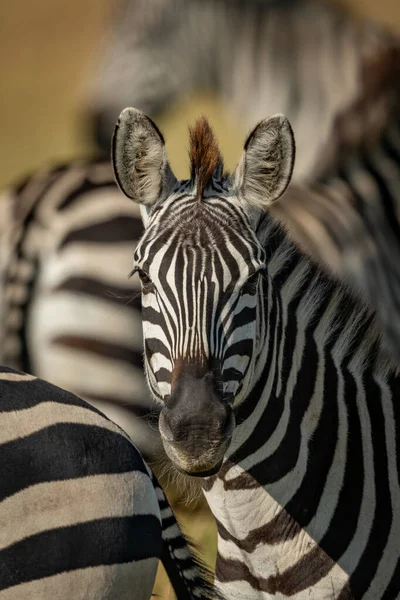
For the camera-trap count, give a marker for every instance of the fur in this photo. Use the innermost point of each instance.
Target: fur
(205, 157)
(139, 157)
(267, 163)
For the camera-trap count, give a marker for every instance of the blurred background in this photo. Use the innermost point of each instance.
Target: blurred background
(48, 50)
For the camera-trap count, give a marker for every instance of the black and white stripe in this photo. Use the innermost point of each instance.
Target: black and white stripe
(306, 494)
(82, 516)
(67, 309)
(350, 221)
(69, 312)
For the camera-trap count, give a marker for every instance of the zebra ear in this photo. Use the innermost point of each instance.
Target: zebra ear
(266, 166)
(139, 159)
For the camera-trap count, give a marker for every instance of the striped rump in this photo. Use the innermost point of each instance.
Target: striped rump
(82, 516)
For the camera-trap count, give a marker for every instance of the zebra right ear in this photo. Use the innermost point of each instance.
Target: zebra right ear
(139, 159)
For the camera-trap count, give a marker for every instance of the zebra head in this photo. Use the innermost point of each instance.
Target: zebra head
(201, 263)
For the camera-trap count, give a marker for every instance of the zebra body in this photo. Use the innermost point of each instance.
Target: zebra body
(349, 221)
(273, 385)
(82, 516)
(304, 58)
(69, 313)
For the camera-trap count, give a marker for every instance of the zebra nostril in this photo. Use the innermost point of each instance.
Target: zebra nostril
(164, 427)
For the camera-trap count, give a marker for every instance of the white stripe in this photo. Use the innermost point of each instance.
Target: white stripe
(18, 424)
(57, 504)
(16, 377)
(115, 582)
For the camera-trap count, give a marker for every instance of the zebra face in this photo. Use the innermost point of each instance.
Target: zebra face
(203, 273)
(199, 303)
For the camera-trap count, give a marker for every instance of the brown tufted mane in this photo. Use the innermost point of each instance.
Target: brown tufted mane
(204, 154)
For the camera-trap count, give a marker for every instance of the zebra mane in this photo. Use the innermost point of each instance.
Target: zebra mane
(205, 157)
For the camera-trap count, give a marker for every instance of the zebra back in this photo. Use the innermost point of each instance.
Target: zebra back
(82, 515)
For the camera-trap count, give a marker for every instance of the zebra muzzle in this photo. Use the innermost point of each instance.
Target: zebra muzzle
(196, 435)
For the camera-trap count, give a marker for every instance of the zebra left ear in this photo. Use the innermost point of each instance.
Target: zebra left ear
(139, 159)
(266, 166)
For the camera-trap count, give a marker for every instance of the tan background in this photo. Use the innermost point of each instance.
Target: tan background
(46, 49)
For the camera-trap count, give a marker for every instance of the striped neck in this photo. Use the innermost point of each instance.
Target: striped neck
(306, 320)
(301, 487)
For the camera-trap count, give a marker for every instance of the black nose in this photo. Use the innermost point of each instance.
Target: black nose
(213, 426)
(196, 416)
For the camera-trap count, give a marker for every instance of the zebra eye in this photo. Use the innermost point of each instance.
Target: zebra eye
(253, 279)
(251, 284)
(144, 278)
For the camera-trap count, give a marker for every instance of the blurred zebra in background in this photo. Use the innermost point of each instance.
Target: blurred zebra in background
(87, 519)
(68, 311)
(304, 58)
(349, 217)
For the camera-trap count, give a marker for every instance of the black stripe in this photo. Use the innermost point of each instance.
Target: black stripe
(135, 406)
(100, 348)
(393, 589)
(17, 395)
(285, 456)
(125, 296)
(247, 407)
(345, 518)
(238, 348)
(100, 542)
(65, 451)
(232, 374)
(121, 228)
(21, 185)
(5, 369)
(86, 187)
(383, 515)
(305, 502)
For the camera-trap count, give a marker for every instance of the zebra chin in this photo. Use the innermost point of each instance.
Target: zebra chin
(209, 463)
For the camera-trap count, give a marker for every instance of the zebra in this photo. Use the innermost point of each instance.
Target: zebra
(304, 58)
(69, 314)
(67, 311)
(82, 515)
(348, 219)
(274, 388)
